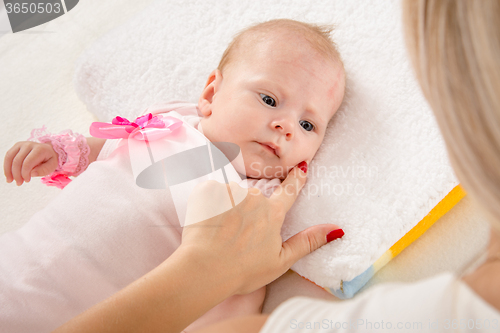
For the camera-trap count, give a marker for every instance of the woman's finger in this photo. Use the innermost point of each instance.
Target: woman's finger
(289, 190)
(309, 240)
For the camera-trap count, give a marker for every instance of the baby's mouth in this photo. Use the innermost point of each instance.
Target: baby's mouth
(270, 147)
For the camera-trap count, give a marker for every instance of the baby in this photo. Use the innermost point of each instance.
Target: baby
(276, 88)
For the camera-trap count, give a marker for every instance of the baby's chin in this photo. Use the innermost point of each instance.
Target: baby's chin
(259, 171)
(266, 174)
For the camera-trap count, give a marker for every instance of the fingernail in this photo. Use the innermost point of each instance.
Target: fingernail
(333, 235)
(302, 166)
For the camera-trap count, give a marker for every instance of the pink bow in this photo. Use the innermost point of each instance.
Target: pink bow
(147, 127)
(58, 180)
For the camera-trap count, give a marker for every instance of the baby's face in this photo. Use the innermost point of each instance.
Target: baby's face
(274, 102)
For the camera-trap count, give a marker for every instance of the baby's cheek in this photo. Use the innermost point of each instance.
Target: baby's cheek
(308, 152)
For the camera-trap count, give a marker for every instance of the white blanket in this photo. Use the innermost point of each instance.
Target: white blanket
(36, 68)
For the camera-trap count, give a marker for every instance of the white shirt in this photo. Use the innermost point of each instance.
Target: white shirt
(442, 303)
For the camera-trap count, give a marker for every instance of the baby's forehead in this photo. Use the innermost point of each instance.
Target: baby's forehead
(287, 46)
(286, 49)
(253, 40)
(296, 37)
(290, 35)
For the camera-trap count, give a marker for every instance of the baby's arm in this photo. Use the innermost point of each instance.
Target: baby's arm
(95, 145)
(28, 159)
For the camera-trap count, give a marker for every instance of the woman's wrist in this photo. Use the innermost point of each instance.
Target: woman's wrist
(182, 289)
(222, 279)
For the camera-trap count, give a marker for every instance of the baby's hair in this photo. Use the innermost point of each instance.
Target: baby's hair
(318, 36)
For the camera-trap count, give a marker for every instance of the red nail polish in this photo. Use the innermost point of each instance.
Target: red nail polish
(333, 235)
(302, 166)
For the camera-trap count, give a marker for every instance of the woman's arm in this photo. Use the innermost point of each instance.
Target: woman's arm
(235, 252)
(167, 299)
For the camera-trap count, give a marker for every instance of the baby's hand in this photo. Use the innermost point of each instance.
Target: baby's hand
(28, 159)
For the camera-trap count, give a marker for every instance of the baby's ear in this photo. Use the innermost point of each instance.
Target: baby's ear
(208, 94)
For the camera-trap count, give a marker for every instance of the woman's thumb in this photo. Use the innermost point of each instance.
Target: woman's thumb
(310, 240)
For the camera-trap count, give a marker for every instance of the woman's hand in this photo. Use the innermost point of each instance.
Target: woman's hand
(28, 159)
(245, 241)
(235, 252)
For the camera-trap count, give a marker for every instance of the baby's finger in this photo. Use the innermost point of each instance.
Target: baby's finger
(45, 168)
(17, 164)
(31, 161)
(7, 162)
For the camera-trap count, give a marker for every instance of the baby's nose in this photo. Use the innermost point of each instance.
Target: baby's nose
(285, 127)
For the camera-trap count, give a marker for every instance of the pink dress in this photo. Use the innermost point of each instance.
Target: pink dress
(101, 233)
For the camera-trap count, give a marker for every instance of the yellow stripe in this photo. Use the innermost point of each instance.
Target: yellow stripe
(384, 259)
(450, 200)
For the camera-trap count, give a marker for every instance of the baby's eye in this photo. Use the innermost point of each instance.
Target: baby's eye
(268, 100)
(306, 125)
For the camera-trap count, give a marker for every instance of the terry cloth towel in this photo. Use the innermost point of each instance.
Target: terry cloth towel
(382, 167)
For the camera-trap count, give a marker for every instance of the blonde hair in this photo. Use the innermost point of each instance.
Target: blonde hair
(455, 49)
(318, 37)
